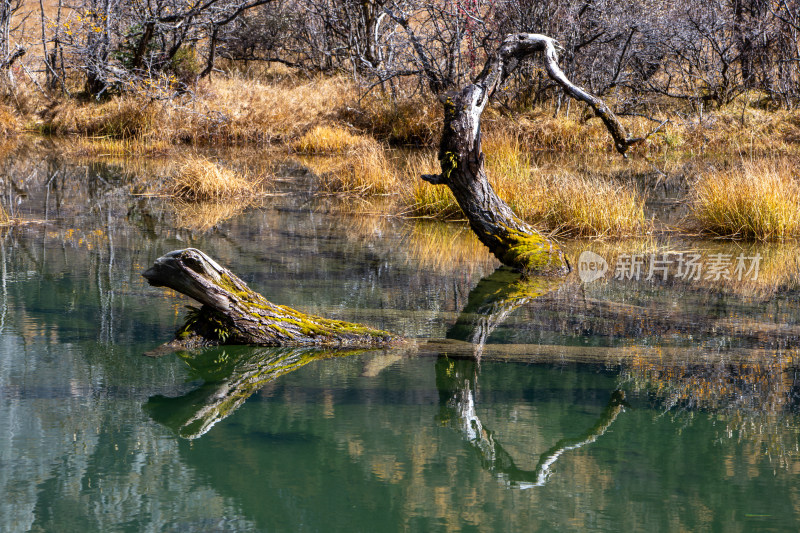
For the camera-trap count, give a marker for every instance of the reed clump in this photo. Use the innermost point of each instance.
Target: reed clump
(355, 165)
(5, 218)
(327, 139)
(561, 202)
(123, 117)
(199, 179)
(760, 201)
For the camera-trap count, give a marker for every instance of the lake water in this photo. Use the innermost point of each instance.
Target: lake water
(618, 405)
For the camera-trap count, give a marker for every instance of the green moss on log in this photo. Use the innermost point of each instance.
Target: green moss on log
(529, 252)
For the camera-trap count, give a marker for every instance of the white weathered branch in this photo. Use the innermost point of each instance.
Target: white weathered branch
(522, 45)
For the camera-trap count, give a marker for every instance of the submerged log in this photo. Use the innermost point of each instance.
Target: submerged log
(510, 239)
(232, 313)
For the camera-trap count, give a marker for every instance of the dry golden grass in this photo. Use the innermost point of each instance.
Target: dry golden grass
(198, 179)
(565, 203)
(119, 118)
(9, 121)
(364, 170)
(237, 109)
(420, 198)
(579, 205)
(5, 218)
(229, 109)
(329, 140)
(407, 121)
(760, 201)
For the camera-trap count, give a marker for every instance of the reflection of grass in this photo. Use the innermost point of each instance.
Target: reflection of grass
(761, 201)
(111, 147)
(202, 216)
(778, 265)
(442, 247)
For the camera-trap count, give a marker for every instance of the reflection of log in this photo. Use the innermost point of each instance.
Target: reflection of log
(234, 314)
(231, 376)
(457, 381)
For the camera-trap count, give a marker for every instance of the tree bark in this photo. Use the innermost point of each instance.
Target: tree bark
(232, 313)
(509, 238)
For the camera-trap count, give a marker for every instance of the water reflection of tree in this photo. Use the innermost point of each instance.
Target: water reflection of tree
(492, 300)
(457, 381)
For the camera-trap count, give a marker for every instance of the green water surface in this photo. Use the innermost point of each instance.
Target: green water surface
(617, 406)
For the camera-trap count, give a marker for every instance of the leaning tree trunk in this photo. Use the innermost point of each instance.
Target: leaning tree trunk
(509, 238)
(232, 313)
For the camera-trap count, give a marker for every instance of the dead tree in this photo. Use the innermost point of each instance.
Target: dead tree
(509, 238)
(232, 313)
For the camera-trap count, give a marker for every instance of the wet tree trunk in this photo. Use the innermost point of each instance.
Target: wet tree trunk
(232, 313)
(509, 238)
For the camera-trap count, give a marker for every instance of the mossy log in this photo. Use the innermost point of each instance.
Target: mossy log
(232, 313)
(510, 239)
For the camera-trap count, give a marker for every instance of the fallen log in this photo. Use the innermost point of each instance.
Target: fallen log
(232, 313)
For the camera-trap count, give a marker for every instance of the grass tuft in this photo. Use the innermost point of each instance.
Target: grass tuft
(363, 170)
(201, 180)
(567, 204)
(760, 202)
(328, 140)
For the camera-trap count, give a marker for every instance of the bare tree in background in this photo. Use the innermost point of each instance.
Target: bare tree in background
(112, 42)
(8, 56)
